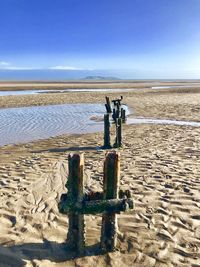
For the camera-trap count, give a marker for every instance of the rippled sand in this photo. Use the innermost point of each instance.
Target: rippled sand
(159, 164)
(22, 125)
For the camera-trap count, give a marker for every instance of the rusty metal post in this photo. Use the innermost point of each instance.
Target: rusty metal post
(75, 185)
(110, 191)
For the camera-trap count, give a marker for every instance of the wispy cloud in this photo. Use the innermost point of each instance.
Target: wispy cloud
(19, 68)
(4, 63)
(9, 66)
(68, 68)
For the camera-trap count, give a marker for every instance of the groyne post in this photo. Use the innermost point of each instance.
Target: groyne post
(110, 191)
(76, 232)
(108, 105)
(118, 138)
(106, 131)
(123, 115)
(76, 203)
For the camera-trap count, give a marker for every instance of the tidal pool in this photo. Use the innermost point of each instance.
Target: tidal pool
(26, 124)
(175, 86)
(33, 92)
(21, 125)
(114, 90)
(162, 121)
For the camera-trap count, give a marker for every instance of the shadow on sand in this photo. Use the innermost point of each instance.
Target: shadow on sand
(48, 250)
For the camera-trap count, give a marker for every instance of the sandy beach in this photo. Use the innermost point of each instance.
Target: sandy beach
(160, 164)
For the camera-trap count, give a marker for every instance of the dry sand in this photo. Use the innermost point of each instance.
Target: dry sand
(159, 164)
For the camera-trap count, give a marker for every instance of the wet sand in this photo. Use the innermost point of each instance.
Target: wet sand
(160, 164)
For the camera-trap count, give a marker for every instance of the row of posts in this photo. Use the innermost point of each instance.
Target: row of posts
(76, 202)
(119, 117)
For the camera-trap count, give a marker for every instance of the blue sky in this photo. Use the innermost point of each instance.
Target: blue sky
(132, 38)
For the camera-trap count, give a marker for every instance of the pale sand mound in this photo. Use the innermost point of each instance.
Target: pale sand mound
(159, 164)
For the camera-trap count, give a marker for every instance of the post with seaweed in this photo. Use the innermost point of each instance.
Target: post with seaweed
(75, 194)
(110, 191)
(76, 203)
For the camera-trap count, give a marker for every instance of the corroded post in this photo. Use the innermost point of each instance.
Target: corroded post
(108, 106)
(76, 232)
(110, 191)
(106, 131)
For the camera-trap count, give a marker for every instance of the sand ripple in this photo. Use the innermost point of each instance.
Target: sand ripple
(33, 123)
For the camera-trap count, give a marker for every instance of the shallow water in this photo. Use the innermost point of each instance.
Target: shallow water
(20, 92)
(175, 86)
(21, 125)
(32, 92)
(161, 121)
(120, 90)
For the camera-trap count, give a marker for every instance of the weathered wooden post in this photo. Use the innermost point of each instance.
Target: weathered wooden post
(118, 106)
(114, 102)
(108, 106)
(106, 131)
(118, 139)
(76, 203)
(117, 101)
(110, 191)
(76, 232)
(121, 111)
(117, 114)
(123, 115)
(114, 115)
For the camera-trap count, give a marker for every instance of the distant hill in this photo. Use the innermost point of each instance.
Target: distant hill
(100, 78)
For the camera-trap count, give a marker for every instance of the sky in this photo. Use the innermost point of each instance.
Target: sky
(129, 38)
